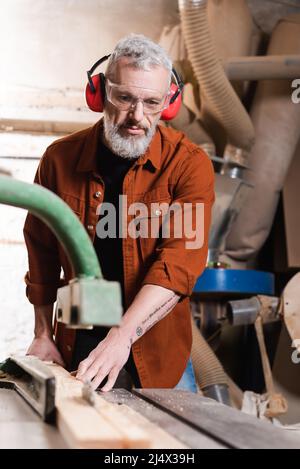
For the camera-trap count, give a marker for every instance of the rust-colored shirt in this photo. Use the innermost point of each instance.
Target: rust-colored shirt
(173, 169)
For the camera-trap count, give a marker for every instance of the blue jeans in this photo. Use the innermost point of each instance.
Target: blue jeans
(187, 381)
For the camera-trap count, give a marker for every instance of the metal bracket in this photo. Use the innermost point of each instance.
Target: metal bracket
(32, 380)
(88, 302)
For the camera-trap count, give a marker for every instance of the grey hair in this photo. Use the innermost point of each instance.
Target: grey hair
(143, 53)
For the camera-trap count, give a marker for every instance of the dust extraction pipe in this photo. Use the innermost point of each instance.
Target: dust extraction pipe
(209, 372)
(59, 218)
(273, 67)
(214, 85)
(277, 122)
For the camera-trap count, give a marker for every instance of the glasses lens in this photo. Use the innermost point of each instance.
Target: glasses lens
(122, 99)
(153, 105)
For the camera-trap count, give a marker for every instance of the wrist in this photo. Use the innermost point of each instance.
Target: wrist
(43, 321)
(43, 334)
(125, 332)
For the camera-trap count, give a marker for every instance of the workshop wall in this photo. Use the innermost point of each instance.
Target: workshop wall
(47, 46)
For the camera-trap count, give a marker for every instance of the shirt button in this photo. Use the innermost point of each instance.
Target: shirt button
(90, 227)
(98, 194)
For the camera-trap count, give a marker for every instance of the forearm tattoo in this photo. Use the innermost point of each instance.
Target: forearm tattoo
(159, 313)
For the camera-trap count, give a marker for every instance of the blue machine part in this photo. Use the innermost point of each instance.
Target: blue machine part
(241, 282)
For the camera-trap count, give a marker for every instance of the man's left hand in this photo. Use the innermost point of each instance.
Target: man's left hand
(107, 359)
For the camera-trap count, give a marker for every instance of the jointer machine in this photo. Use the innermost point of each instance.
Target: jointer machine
(43, 406)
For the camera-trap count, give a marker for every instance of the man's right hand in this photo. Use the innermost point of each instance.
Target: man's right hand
(45, 349)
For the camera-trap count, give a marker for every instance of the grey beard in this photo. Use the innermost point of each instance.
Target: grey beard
(127, 147)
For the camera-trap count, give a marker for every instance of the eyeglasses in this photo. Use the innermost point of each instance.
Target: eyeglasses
(126, 97)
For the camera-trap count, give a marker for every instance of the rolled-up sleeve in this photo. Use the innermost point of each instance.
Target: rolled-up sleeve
(43, 277)
(180, 260)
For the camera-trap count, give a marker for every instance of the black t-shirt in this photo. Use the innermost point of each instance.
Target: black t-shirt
(112, 168)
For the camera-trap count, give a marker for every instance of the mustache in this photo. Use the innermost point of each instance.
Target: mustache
(134, 124)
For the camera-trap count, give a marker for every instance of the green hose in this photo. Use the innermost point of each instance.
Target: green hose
(57, 215)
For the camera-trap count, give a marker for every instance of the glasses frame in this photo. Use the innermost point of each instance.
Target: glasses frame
(111, 84)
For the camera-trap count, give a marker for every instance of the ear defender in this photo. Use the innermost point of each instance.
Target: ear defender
(95, 92)
(95, 88)
(174, 106)
(175, 102)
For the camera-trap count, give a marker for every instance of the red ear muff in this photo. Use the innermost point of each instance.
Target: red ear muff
(172, 110)
(95, 97)
(95, 88)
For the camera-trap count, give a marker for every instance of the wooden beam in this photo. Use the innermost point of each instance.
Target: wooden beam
(105, 424)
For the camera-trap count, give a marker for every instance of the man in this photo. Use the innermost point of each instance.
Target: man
(125, 154)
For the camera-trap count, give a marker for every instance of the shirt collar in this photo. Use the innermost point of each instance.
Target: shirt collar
(88, 159)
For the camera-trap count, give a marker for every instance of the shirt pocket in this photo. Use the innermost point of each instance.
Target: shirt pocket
(149, 225)
(75, 204)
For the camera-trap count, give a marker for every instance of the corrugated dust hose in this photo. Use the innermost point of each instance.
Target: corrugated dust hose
(218, 93)
(209, 371)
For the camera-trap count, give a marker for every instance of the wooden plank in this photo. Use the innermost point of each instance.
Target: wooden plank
(78, 422)
(82, 426)
(160, 439)
(178, 432)
(225, 424)
(104, 425)
(98, 426)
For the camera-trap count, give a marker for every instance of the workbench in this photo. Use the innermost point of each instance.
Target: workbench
(193, 420)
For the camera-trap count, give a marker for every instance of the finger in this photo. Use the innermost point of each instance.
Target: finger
(83, 367)
(102, 373)
(92, 370)
(89, 372)
(112, 378)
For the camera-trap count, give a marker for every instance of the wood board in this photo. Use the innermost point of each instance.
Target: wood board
(104, 425)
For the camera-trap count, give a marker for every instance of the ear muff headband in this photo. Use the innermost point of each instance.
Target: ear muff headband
(89, 72)
(179, 83)
(95, 91)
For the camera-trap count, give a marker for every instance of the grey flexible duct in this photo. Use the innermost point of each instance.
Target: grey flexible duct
(210, 375)
(208, 369)
(277, 122)
(214, 85)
